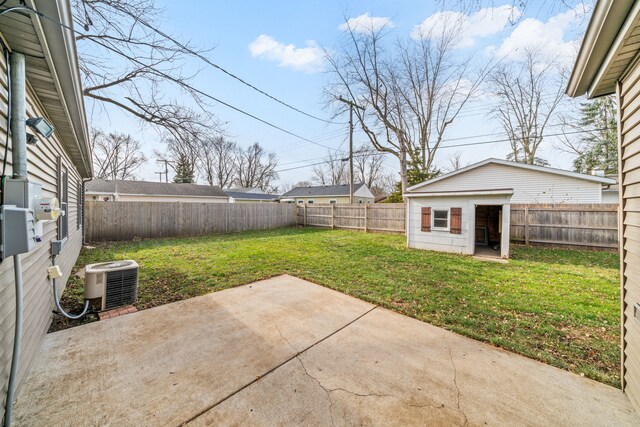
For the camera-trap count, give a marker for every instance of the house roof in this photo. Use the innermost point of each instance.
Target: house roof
(322, 190)
(239, 195)
(253, 190)
(52, 71)
(492, 192)
(561, 172)
(610, 44)
(149, 188)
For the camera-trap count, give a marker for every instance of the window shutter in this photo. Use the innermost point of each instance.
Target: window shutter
(456, 221)
(426, 219)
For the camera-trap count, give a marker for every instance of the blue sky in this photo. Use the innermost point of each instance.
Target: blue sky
(277, 46)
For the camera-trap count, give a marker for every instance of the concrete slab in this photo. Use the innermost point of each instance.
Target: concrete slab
(287, 352)
(387, 369)
(166, 365)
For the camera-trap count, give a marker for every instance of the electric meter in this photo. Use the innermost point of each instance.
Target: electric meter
(47, 209)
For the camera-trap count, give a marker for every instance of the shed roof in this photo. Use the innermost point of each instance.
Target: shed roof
(149, 188)
(610, 44)
(52, 71)
(322, 190)
(560, 172)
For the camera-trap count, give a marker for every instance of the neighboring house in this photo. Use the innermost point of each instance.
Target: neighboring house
(608, 64)
(610, 192)
(147, 191)
(468, 211)
(247, 197)
(252, 190)
(59, 163)
(328, 194)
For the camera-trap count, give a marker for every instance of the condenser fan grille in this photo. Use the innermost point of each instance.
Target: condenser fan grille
(121, 288)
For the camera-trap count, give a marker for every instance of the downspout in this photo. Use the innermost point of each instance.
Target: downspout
(19, 159)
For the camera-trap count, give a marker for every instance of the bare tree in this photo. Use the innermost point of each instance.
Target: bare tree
(528, 95)
(217, 161)
(287, 186)
(256, 168)
(332, 172)
(115, 155)
(368, 168)
(126, 61)
(455, 162)
(412, 91)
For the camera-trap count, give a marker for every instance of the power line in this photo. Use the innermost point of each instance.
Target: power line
(362, 154)
(229, 73)
(198, 91)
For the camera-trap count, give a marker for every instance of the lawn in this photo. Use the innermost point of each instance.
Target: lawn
(558, 306)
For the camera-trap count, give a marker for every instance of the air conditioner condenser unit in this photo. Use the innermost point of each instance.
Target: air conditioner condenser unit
(116, 283)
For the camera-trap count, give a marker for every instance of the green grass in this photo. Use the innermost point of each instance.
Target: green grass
(558, 306)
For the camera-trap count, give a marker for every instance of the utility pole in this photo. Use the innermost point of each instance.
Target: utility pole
(160, 173)
(166, 170)
(351, 105)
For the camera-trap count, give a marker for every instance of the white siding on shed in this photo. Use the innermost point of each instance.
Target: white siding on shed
(445, 241)
(529, 186)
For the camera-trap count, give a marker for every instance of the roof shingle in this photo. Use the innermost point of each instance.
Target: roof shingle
(152, 188)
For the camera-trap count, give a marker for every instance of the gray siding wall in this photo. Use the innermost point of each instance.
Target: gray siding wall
(528, 186)
(38, 302)
(629, 101)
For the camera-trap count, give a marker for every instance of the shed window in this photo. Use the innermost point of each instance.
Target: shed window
(332, 201)
(441, 219)
(309, 201)
(300, 202)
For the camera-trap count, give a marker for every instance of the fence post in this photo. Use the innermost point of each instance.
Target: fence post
(304, 215)
(333, 216)
(526, 225)
(365, 218)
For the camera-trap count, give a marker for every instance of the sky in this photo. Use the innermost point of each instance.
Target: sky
(279, 47)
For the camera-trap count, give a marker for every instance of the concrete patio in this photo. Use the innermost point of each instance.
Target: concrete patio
(284, 351)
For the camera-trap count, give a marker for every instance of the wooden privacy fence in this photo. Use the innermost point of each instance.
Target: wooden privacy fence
(387, 218)
(106, 221)
(593, 226)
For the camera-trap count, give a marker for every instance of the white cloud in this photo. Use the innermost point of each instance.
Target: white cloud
(483, 23)
(548, 37)
(365, 23)
(309, 59)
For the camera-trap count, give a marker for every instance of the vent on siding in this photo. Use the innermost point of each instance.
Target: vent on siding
(121, 288)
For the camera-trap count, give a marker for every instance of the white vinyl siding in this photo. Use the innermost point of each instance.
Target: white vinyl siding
(528, 186)
(38, 302)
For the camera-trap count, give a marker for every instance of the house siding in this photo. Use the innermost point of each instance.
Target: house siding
(338, 199)
(38, 300)
(528, 186)
(629, 112)
(140, 198)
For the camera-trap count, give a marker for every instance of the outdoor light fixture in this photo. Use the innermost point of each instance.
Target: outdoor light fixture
(41, 125)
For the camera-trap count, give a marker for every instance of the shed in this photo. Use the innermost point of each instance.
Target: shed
(608, 62)
(468, 211)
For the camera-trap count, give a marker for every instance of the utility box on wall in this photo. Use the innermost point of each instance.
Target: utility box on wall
(19, 231)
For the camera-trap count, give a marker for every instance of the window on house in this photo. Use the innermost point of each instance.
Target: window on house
(63, 194)
(332, 201)
(310, 202)
(300, 201)
(441, 219)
